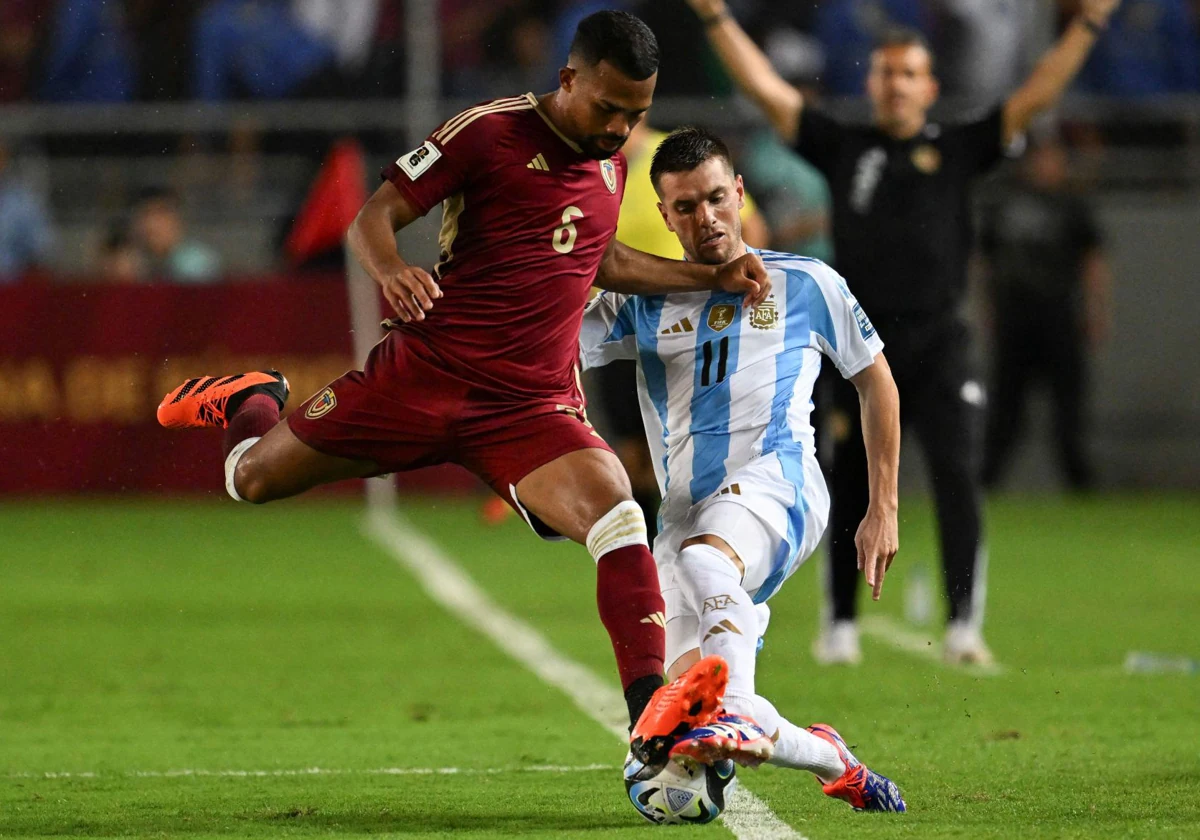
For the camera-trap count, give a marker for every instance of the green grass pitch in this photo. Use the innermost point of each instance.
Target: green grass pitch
(169, 669)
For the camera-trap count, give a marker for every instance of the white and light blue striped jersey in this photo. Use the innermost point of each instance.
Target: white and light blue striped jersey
(721, 385)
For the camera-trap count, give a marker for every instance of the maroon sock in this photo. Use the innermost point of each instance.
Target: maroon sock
(254, 418)
(633, 612)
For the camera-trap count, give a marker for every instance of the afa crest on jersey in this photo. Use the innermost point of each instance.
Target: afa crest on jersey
(609, 170)
(721, 316)
(765, 315)
(321, 405)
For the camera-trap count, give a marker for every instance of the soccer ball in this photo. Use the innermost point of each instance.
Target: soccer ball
(674, 793)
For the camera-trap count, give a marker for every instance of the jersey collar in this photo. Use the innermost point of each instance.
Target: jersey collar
(537, 108)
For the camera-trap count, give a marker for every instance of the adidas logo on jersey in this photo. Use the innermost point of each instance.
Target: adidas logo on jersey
(684, 326)
(655, 618)
(725, 626)
(538, 163)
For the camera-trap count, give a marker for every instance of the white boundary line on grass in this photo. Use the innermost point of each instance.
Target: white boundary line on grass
(919, 643)
(443, 581)
(322, 771)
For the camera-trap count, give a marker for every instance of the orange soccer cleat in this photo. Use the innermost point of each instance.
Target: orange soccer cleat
(690, 701)
(864, 789)
(209, 401)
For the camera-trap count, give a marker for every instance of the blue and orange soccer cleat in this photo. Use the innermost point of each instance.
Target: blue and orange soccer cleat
(691, 701)
(732, 737)
(209, 401)
(864, 789)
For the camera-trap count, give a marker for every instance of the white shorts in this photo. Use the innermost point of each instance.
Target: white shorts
(771, 514)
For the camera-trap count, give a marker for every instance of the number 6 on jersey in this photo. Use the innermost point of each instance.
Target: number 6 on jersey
(565, 244)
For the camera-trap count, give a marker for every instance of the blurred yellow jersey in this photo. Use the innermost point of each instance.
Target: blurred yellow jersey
(640, 225)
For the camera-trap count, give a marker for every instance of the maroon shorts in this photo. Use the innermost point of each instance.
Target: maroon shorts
(405, 411)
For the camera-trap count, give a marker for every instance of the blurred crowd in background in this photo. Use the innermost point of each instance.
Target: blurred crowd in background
(144, 50)
(215, 51)
(130, 51)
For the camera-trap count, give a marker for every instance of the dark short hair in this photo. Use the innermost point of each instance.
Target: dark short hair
(686, 148)
(619, 38)
(905, 36)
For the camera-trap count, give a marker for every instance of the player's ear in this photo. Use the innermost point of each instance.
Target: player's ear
(741, 191)
(566, 78)
(663, 212)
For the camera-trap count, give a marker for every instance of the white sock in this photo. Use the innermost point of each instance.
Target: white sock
(712, 587)
(797, 748)
(231, 463)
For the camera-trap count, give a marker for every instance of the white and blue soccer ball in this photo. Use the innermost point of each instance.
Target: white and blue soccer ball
(675, 793)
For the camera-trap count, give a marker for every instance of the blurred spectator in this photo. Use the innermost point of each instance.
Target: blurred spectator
(118, 259)
(850, 29)
(258, 49)
(349, 26)
(1151, 47)
(158, 230)
(1049, 287)
(20, 25)
(26, 233)
(978, 44)
(464, 24)
(518, 54)
(162, 34)
(90, 53)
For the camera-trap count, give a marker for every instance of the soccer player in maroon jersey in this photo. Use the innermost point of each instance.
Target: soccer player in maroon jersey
(480, 367)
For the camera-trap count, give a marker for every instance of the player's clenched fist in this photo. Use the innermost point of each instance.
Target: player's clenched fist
(410, 290)
(746, 274)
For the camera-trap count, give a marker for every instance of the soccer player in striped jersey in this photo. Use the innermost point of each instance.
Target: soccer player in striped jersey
(725, 392)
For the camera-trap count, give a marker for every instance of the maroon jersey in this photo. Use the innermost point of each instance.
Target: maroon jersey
(526, 219)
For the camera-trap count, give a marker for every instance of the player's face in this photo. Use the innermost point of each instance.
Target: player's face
(702, 207)
(602, 107)
(902, 87)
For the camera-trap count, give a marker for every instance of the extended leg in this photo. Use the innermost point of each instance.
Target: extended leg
(585, 495)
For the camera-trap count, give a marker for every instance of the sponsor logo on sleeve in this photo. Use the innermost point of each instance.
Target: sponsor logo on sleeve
(417, 162)
(864, 323)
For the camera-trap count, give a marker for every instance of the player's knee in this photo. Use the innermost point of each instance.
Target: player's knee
(251, 483)
(624, 525)
(701, 570)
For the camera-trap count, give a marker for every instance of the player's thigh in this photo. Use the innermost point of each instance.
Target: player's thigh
(575, 490)
(281, 465)
(744, 534)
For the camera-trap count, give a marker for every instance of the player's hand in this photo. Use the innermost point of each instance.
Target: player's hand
(746, 274)
(1099, 11)
(877, 541)
(707, 8)
(411, 291)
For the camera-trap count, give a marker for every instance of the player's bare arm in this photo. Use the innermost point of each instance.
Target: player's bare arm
(878, 537)
(629, 271)
(409, 289)
(1057, 68)
(750, 68)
